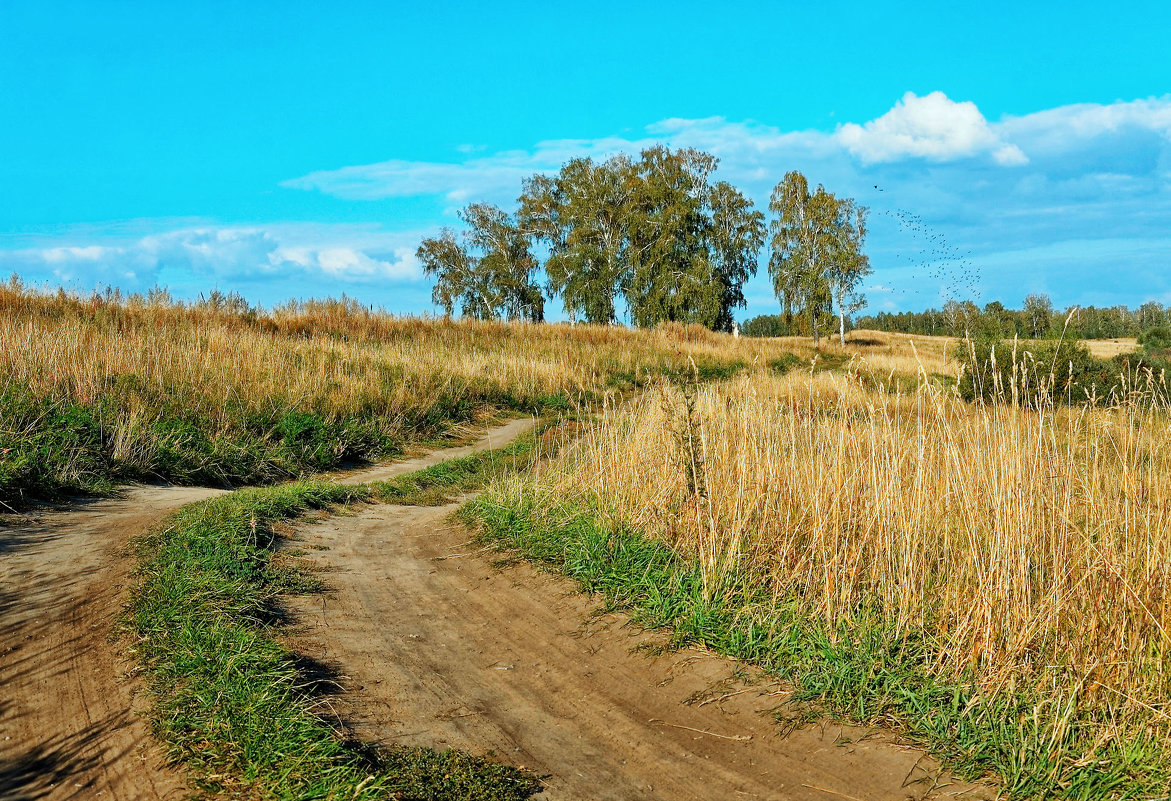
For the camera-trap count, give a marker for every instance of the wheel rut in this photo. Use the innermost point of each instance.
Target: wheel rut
(431, 642)
(70, 722)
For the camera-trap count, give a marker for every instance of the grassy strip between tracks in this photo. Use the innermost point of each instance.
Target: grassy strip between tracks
(1033, 748)
(229, 701)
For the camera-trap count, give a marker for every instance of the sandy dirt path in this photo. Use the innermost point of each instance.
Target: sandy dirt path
(430, 643)
(68, 725)
(68, 728)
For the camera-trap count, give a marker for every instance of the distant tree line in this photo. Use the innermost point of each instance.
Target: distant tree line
(657, 236)
(1037, 320)
(792, 325)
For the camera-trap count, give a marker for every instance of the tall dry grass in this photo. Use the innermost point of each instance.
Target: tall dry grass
(336, 352)
(105, 387)
(884, 352)
(1032, 546)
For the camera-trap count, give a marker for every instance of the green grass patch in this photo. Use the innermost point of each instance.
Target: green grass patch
(55, 444)
(785, 363)
(820, 362)
(868, 673)
(230, 702)
(445, 482)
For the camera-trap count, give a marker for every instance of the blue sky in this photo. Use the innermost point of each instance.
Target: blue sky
(295, 150)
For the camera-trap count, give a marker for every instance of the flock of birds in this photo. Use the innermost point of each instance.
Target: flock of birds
(933, 259)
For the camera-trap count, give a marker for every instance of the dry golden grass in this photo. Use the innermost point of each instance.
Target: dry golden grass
(334, 351)
(883, 351)
(214, 392)
(1109, 348)
(1033, 546)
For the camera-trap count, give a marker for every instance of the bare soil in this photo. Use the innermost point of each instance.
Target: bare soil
(426, 641)
(69, 727)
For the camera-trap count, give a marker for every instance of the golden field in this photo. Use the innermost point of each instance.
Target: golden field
(104, 388)
(1031, 547)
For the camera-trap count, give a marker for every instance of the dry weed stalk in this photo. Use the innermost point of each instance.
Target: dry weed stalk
(1033, 544)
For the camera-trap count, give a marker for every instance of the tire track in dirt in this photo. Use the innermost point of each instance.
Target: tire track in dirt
(69, 726)
(433, 644)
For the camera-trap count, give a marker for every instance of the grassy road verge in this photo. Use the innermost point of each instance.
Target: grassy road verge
(229, 702)
(863, 673)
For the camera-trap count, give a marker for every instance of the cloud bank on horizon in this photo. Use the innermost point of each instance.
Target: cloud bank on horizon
(1074, 201)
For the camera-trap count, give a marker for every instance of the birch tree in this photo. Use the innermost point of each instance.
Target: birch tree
(817, 261)
(848, 265)
(691, 244)
(487, 271)
(801, 244)
(581, 214)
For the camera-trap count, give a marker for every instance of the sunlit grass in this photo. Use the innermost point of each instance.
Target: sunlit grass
(100, 389)
(1025, 552)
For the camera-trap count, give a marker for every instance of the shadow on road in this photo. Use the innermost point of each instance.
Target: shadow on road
(35, 770)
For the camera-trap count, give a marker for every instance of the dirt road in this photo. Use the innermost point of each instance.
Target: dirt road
(435, 645)
(68, 725)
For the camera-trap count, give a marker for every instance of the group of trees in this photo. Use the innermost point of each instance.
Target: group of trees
(817, 261)
(657, 232)
(487, 271)
(1036, 320)
(793, 325)
(656, 235)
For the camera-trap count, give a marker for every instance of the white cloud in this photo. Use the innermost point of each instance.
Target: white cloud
(933, 127)
(64, 255)
(1060, 129)
(350, 264)
(398, 178)
(206, 255)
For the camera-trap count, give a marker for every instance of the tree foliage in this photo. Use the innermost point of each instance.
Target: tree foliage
(655, 233)
(487, 271)
(691, 244)
(775, 325)
(817, 256)
(581, 215)
(656, 236)
(1038, 320)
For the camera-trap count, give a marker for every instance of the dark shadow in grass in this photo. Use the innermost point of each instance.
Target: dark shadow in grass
(317, 680)
(318, 683)
(864, 342)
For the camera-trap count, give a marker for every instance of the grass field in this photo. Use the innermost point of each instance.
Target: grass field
(97, 390)
(1109, 348)
(991, 579)
(1015, 561)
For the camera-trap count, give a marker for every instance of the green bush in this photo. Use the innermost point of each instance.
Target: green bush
(1156, 339)
(1039, 372)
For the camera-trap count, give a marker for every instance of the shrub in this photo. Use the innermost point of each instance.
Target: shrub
(1156, 339)
(1039, 372)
